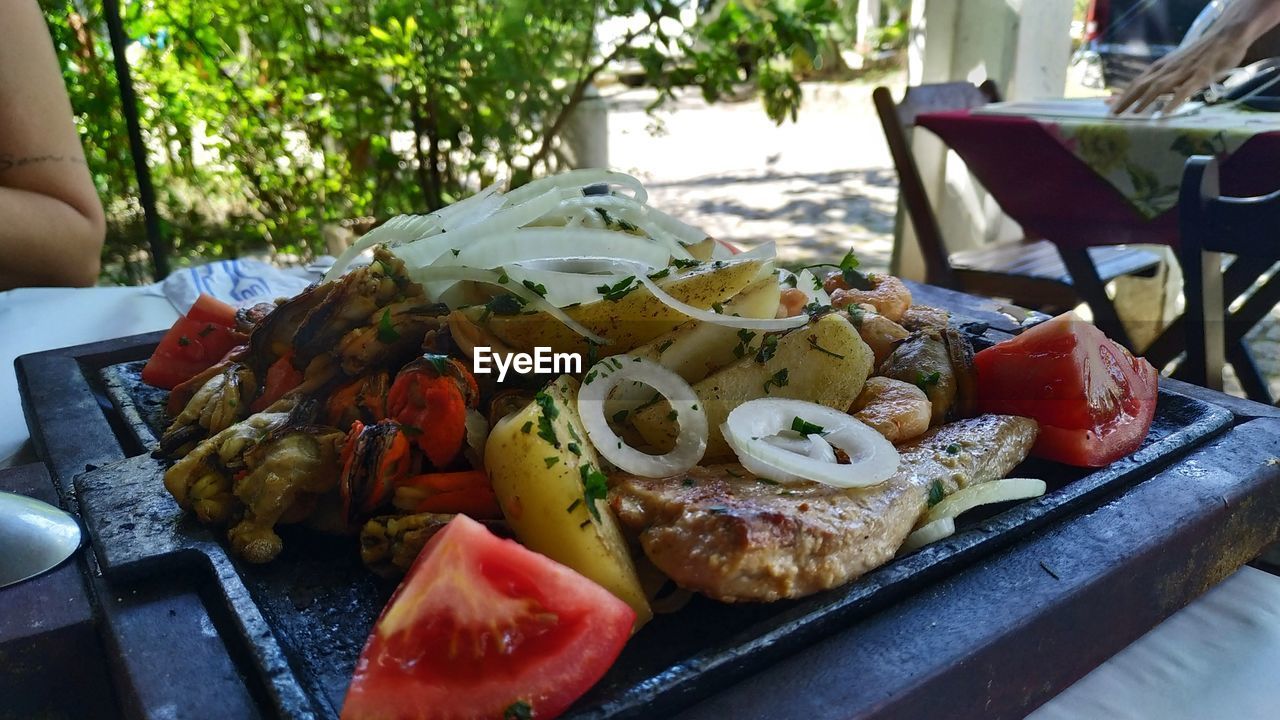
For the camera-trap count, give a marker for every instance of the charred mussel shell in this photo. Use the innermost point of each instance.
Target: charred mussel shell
(375, 458)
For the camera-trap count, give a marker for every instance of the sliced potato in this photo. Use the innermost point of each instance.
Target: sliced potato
(537, 460)
(824, 362)
(696, 349)
(630, 320)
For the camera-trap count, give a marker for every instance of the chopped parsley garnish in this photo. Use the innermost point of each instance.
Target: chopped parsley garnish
(550, 412)
(688, 481)
(767, 481)
(386, 331)
(183, 341)
(551, 460)
(682, 264)
(594, 487)
(618, 290)
(663, 347)
(953, 449)
(718, 264)
(804, 427)
(620, 416)
(590, 377)
(518, 710)
(744, 342)
(573, 433)
(660, 274)
(504, 278)
(208, 328)
(936, 493)
(849, 272)
(778, 379)
(717, 308)
(789, 280)
(767, 348)
(593, 352)
(856, 315)
(502, 305)
(925, 380)
(538, 288)
(526, 427)
(815, 308)
(672, 415)
(455, 251)
(813, 343)
(574, 448)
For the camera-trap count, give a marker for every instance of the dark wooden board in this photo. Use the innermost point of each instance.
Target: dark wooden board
(270, 621)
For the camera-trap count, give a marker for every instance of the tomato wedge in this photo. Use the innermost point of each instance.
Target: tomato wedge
(194, 343)
(482, 627)
(1093, 399)
(208, 308)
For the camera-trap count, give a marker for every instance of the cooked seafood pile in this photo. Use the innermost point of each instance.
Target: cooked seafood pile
(752, 433)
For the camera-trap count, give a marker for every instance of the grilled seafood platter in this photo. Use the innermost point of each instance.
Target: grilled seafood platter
(568, 367)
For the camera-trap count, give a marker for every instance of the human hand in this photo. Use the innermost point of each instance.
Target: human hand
(1182, 73)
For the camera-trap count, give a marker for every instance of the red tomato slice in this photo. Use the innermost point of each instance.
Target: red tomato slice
(195, 342)
(210, 309)
(282, 377)
(481, 624)
(1093, 399)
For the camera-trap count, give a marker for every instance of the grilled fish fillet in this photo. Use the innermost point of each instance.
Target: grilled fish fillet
(721, 531)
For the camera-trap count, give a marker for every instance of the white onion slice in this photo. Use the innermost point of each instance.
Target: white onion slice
(436, 273)
(820, 449)
(986, 493)
(691, 442)
(563, 288)
(541, 243)
(477, 430)
(578, 179)
(763, 251)
(733, 321)
(931, 533)
(872, 459)
(812, 287)
(399, 229)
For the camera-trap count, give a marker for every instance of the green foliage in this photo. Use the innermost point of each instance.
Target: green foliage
(267, 119)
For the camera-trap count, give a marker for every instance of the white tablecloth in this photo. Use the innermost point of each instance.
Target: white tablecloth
(1217, 658)
(35, 319)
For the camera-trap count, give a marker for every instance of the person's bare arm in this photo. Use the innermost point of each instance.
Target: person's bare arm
(1187, 70)
(51, 221)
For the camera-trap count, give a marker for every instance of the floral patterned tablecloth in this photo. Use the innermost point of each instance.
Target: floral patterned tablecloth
(1143, 159)
(1068, 172)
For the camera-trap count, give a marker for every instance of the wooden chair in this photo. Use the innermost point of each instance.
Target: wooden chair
(1029, 272)
(1211, 224)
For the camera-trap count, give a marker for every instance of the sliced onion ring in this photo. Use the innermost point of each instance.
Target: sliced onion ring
(872, 458)
(986, 493)
(607, 374)
(931, 533)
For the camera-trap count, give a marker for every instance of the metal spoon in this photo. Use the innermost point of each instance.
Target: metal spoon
(35, 537)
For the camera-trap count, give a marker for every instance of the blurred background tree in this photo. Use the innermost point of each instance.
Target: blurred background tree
(268, 119)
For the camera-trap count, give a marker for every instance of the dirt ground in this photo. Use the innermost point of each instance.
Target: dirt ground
(818, 186)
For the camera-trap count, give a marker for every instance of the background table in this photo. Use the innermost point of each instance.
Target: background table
(1082, 183)
(1223, 648)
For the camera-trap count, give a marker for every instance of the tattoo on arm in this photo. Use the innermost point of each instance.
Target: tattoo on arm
(8, 161)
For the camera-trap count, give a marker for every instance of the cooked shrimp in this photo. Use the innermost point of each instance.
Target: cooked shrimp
(888, 294)
(792, 302)
(897, 410)
(880, 333)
